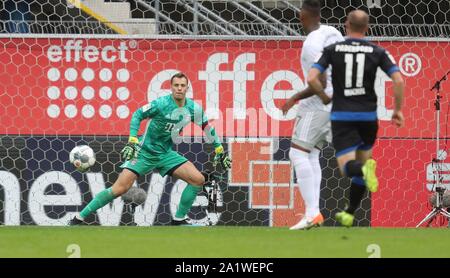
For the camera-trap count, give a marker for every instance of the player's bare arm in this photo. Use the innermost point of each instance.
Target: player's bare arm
(306, 93)
(315, 83)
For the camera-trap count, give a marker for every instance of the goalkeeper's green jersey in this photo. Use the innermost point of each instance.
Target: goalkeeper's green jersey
(167, 121)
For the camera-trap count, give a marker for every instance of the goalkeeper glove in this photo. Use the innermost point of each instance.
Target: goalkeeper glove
(130, 150)
(222, 158)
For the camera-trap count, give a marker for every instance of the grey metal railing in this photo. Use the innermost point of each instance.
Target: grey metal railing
(168, 27)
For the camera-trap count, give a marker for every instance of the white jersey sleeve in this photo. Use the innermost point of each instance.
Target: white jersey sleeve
(313, 46)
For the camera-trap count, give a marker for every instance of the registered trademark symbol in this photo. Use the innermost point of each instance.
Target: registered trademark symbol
(410, 64)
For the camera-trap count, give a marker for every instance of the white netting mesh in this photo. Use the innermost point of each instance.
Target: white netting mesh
(58, 92)
(191, 17)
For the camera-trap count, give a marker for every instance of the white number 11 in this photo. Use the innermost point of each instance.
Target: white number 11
(360, 60)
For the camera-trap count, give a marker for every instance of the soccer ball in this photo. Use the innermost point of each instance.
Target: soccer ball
(82, 157)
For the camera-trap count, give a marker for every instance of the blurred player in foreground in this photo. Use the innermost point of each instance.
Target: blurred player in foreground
(354, 121)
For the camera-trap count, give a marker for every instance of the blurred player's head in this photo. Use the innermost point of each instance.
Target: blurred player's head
(310, 15)
(179, 84)
(357, 23)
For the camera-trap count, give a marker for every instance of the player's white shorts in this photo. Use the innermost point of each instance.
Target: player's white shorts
(312, 129)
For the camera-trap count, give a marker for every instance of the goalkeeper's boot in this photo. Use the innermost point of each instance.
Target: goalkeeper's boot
(370, 176)
(183, 222)
(345, 218)
(307, 223)
(75, 221)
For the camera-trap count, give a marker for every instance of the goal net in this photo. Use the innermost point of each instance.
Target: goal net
(70, 77)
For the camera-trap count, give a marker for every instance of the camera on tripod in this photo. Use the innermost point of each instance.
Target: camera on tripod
(213, 193)
(437, 166)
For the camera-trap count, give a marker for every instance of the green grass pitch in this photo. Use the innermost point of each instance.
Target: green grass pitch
(219, 241)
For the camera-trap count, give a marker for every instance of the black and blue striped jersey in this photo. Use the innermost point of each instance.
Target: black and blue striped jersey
(354, 66)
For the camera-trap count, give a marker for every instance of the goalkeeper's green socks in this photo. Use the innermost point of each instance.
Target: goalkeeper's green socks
(100, 200)
(187, 199)
(106, 196)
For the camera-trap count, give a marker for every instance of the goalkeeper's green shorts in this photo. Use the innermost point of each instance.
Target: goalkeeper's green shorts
(165, 163)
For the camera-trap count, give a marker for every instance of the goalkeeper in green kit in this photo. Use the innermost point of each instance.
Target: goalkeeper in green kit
(153, 151)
